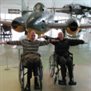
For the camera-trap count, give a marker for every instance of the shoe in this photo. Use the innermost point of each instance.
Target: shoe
(27, 88)
(36, 84)
(72, 82)
(62, 82)
(36, 87)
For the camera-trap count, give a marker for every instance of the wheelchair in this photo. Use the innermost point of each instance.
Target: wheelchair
(23, 76)
(55, 68)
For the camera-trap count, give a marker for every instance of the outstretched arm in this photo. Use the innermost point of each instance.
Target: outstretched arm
(74, 42)
(52, 40)
(45, 37)
(11, 42)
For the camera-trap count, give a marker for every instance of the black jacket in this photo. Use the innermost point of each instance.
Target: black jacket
(62, 46)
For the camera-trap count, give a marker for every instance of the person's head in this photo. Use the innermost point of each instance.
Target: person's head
(31, 34)
(60, 35)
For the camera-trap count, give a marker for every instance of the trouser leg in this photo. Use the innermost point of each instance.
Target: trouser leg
(70, 69)
(63, 72)
(62, 63)
(29, 76)
(36, 67)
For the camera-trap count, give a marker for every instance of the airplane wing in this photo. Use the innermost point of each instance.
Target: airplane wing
(85, 26)
(76, 9)
(6, 24)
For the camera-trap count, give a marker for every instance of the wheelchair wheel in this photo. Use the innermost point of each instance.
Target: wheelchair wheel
(40, 77)
(52, 65)
(54, 68)
(22, 76)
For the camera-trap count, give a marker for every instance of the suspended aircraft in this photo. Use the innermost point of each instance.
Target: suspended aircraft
(43, 21)
(74, 9)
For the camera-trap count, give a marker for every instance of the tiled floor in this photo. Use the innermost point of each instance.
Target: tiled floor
(9, 61)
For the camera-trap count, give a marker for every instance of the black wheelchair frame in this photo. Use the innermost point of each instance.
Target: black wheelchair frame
(54, 68)
(23, 76)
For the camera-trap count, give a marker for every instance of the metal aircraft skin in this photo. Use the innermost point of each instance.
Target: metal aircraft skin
(76, 9)
(43, 21)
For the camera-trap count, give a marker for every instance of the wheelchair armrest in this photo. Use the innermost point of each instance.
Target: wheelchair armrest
(70, 54)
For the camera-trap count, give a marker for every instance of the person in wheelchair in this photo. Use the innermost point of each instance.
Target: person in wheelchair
(64, 59)
(30, 56)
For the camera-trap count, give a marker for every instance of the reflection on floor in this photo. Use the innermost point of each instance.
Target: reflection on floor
(9, 61)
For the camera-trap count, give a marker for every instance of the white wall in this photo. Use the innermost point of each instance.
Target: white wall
(9, 4)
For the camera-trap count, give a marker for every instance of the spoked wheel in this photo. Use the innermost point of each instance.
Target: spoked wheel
(40, 77)
(52, 65)
(22, 76)
(54, 68)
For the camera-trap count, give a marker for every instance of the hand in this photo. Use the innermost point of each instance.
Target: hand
(85, 43)
(42, 36)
